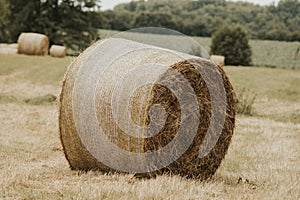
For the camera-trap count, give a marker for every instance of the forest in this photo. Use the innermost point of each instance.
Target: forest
(204, 17)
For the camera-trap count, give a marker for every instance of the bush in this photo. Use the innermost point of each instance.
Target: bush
(246, 99)
(233, 43)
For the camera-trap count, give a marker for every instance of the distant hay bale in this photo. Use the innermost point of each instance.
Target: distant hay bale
(33, 44)
(58, 51)
(218, 60)
(8, 49)
(109, 108)
(13, 46)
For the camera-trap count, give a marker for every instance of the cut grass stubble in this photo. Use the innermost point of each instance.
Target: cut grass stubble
(263, 161)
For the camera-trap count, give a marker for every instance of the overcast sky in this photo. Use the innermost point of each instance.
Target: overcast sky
(109, 4)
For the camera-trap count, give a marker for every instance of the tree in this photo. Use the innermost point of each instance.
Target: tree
(65, 22)
(233, 43)
(155, 20)
(4, 12)
(131, 6)
(23, 15)
(122, 21)
(202, 17)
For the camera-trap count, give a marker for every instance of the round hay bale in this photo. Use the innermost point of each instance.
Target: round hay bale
(13, 46)
(58, 51)
(33, 44)
(8, 49)
(135, 108)
(3, 45)
(218, 60)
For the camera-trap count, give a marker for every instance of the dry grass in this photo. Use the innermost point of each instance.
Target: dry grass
(263, 161)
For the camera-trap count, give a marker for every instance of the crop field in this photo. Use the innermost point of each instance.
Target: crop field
(264, 53)
(263, 161)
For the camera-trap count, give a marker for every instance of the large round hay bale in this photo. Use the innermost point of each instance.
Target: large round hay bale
(136, 108)
(57, 51)
(33, 44)
(218, 60)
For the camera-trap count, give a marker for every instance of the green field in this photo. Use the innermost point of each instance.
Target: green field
(265, 53)
(263, 161)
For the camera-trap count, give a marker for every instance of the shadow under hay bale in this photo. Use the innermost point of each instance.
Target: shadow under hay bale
(109, 109)
(33, 44)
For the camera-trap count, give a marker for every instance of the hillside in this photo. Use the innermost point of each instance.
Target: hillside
(203, 18)
(265, 52)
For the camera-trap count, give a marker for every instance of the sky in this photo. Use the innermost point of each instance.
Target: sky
(109, 4)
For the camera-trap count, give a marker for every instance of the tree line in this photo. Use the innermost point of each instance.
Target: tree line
(74, 23)
(204, 17)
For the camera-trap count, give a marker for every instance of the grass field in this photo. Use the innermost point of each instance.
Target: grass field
(265, 53)
(263, 161)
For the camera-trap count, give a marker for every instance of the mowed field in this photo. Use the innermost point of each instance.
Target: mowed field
(263, 161)
(264, 52)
